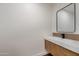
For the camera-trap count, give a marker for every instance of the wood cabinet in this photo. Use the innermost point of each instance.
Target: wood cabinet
(67, 52)
(57, 50)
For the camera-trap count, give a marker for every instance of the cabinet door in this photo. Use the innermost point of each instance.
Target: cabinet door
(69, 53)
(53, 48)
(56, 50)
(48, 46)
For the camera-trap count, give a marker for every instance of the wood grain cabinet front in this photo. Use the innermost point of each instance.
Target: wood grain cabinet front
(57, 50)
(69, 52)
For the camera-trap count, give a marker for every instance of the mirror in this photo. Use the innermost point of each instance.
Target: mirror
(66, 19)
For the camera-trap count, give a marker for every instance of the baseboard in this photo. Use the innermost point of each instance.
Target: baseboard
(41, 54)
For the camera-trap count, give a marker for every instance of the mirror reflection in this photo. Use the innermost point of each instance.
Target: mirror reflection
(65, 19)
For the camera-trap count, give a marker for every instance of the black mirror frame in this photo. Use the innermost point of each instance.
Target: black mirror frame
(74, 16)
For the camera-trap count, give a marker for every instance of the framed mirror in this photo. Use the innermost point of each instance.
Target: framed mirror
(66, 19)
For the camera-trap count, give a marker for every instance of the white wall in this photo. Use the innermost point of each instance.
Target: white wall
(21, 28)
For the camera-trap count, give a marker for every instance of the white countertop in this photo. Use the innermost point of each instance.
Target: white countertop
(72, 45)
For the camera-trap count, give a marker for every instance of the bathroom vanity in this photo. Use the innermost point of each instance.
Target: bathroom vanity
(62, 43)
(62, 47)
(58, 50)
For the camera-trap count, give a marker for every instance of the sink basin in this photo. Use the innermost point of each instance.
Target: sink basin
(71, 42)
(56, 38)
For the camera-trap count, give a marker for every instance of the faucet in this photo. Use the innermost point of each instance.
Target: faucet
(63, 35)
